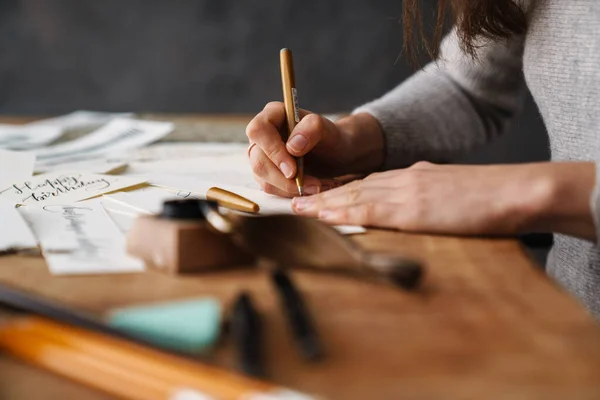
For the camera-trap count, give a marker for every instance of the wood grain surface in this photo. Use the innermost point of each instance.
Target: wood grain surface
(487, 324)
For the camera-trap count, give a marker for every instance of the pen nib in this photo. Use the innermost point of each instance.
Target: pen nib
(301, 190)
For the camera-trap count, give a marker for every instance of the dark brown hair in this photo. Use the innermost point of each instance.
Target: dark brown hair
(492, 19)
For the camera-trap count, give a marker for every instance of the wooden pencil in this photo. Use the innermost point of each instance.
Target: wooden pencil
(292, 111)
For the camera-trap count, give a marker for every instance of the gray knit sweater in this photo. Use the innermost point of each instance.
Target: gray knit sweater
(457, 103)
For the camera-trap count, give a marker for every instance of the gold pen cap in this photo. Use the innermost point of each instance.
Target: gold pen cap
(231, 200)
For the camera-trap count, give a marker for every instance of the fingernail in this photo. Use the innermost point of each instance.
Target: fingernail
(298, 143)
(286, 169)
(302, 203)
(327, 214)
(312, 189)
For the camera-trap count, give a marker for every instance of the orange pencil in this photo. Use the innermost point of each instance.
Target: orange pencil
(124, 369)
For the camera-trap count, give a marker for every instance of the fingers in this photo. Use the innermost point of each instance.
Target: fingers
(312, 188)
(353, 205)
(349, 195)
(367, 214)
(270, 189)
(273, 182)
(264, 130)
(266, 170)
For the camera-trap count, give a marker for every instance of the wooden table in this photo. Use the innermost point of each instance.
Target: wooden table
(487, 324)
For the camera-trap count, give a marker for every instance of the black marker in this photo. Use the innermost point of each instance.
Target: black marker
(247, 335)
(298, 317)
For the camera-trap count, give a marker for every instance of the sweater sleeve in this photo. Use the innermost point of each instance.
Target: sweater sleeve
(453, 104)
(595, 203)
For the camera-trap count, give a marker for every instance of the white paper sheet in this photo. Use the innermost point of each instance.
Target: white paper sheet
(184, 150)
(350, 229)
(15, 166)
(200, 184)
(14, 232)
(121, 215)
(147, 200)
(80, 238)
(233, 162)
(119, 135)
(125, 207)
(64, 187)
(95, 166)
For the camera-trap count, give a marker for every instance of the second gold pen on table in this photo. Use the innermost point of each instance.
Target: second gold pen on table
(292, 111)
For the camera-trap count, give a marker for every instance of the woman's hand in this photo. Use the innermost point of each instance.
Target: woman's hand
(457, 199)
(351, 145)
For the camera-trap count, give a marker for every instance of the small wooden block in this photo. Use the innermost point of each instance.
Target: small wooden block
(181, 246)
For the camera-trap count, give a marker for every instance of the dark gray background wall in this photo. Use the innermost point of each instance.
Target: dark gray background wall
(211, 56)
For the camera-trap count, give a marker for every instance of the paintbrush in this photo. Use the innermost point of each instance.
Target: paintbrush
(294, 241)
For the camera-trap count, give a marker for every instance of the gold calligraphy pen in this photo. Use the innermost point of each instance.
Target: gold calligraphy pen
(292, 112)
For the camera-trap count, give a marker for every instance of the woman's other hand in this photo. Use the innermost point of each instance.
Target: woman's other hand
(465, 199)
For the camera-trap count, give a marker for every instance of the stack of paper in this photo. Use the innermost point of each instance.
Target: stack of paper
(40, 133)
(118, 136)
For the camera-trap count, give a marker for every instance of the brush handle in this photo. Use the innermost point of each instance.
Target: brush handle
(404, 272)
(280, 232)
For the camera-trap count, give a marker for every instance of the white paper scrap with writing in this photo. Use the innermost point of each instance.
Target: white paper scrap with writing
(15, 166)
(64, 187)
(26, 137)
(14, 232)
(80, 238)
(45, 131)
(119, 135)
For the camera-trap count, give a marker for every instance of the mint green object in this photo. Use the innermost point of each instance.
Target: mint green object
(189, 325)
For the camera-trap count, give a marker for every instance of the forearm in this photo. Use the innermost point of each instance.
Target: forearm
(451, 106)
(557, 199)
(427, 118)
